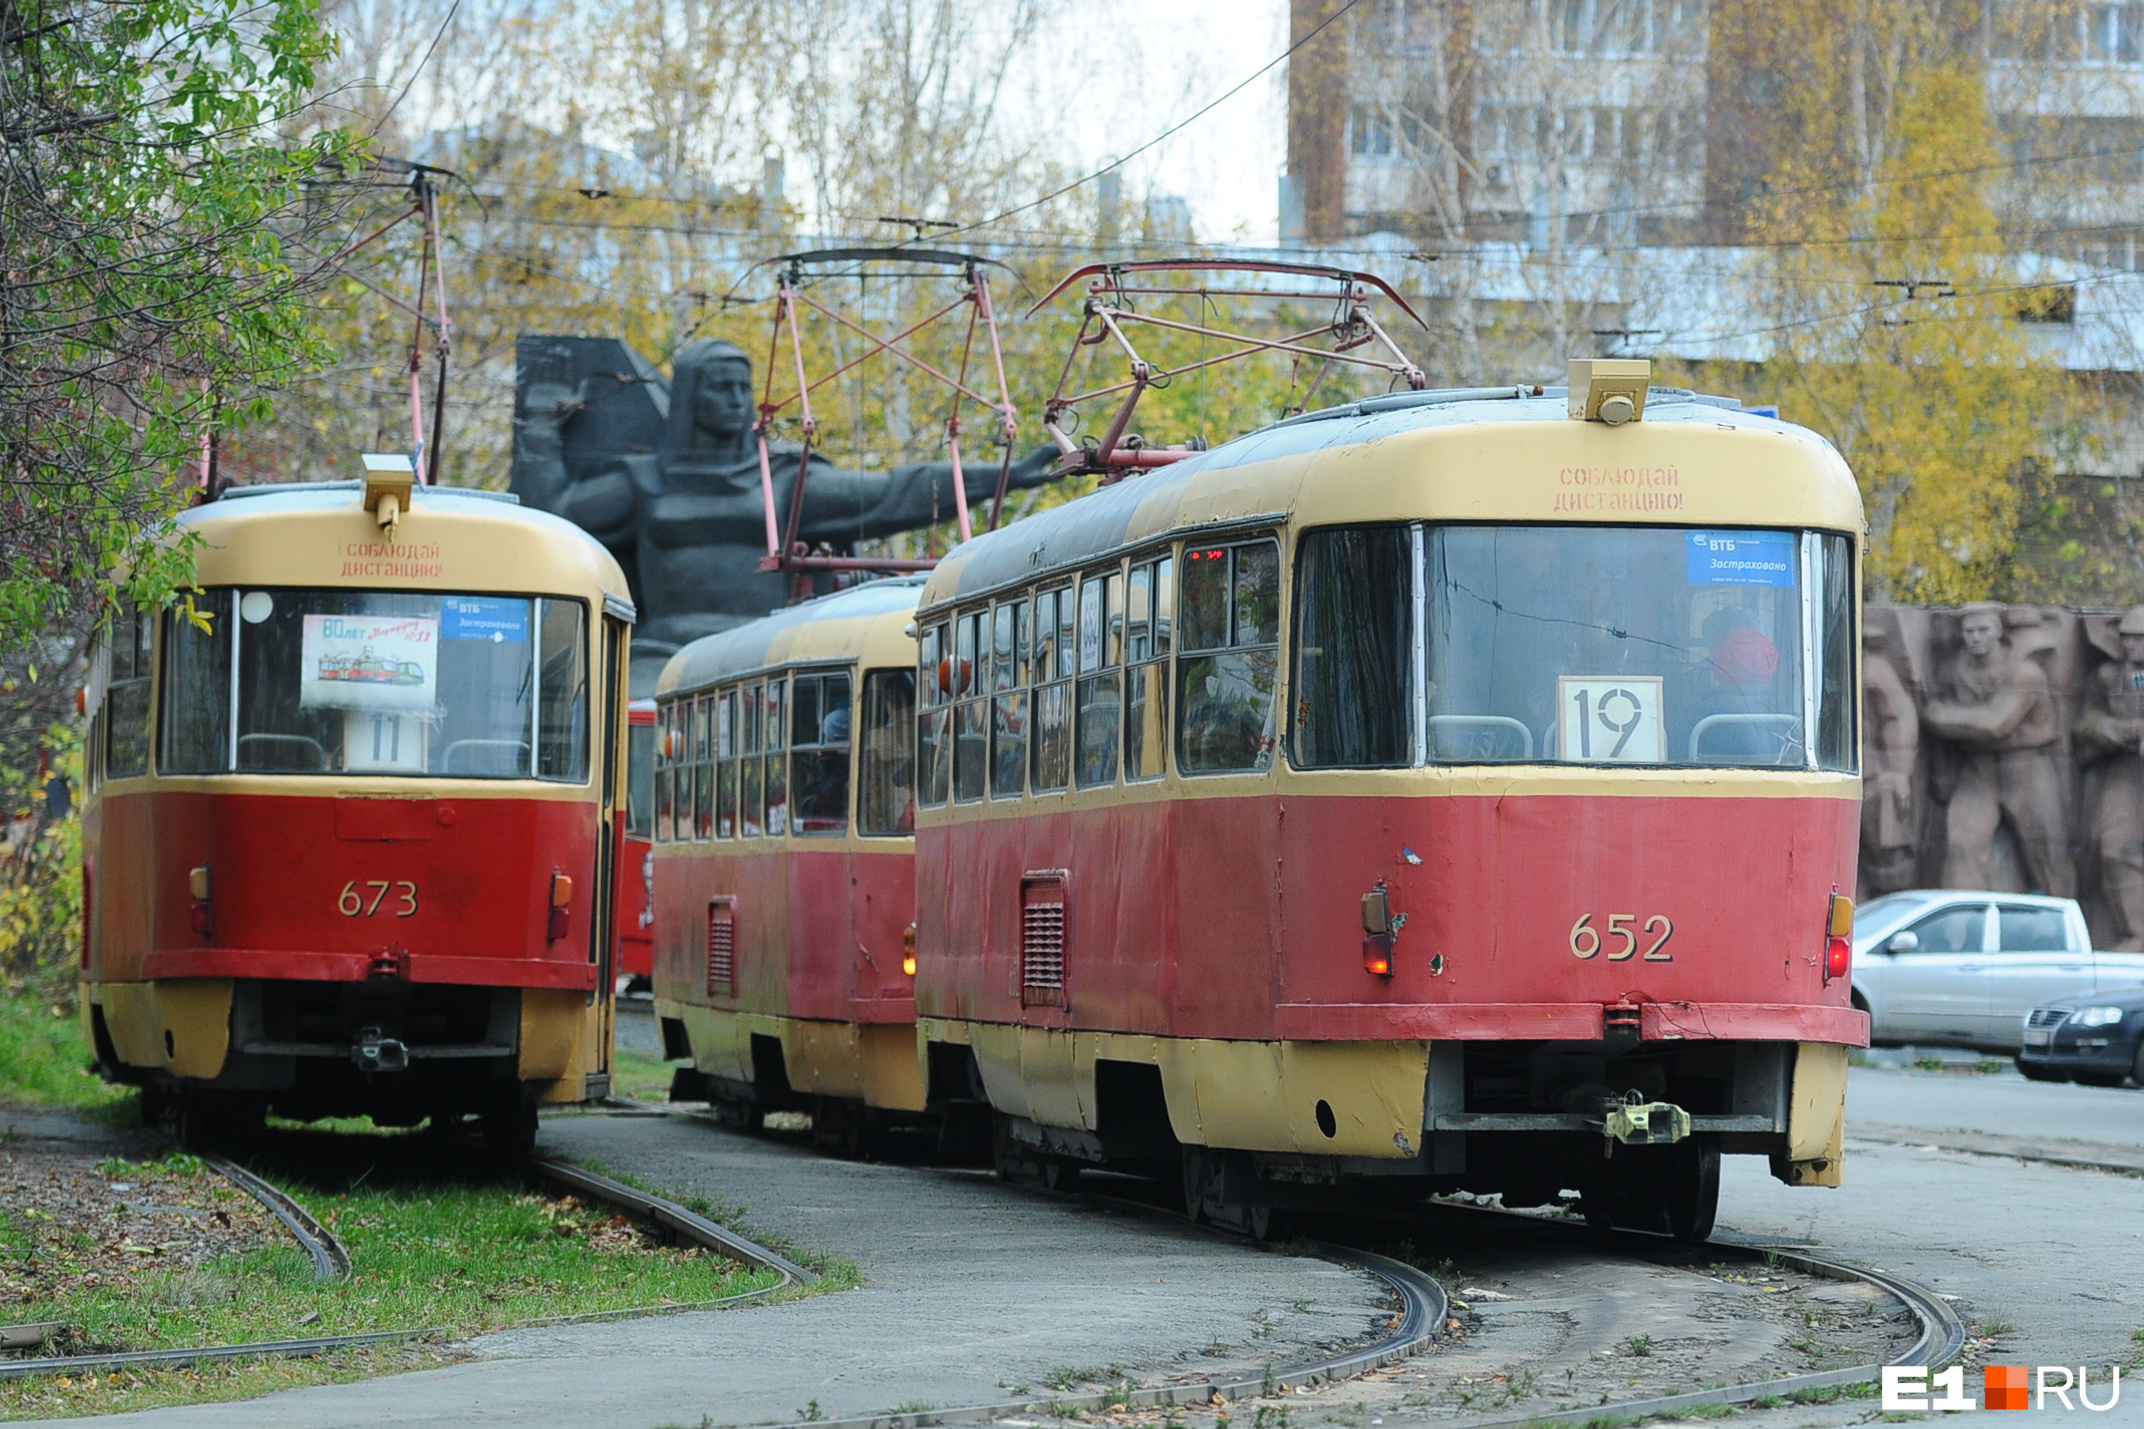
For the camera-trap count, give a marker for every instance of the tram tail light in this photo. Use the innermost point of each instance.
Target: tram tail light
(1839, 938)
(908, 950)
(1377, 925)
(561, 907)
(203, 909)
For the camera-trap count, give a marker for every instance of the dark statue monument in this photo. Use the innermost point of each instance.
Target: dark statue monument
(666, 475)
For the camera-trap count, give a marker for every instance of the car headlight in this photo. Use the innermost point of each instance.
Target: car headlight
(2097, 1016)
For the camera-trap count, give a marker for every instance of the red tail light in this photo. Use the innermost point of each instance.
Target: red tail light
(1838, 937)
(1377, 956)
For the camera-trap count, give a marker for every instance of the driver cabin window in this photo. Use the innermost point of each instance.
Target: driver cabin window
(2032, 930)
(1954, 930)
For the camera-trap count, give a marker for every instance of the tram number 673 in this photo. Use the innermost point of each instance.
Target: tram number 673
(354, 903)
(1587, 940)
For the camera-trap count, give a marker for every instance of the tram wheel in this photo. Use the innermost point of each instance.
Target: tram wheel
(208, 1121)
(1692, 1199)
(1059, 1174)
(508, 1122)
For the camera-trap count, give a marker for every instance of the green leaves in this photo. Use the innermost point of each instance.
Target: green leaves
(146, 202)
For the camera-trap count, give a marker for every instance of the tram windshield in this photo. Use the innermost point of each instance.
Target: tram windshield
(1578, 644)
(374, 682)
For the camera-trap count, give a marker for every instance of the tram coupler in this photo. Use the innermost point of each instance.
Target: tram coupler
(1646, 1123)
(374, 1053)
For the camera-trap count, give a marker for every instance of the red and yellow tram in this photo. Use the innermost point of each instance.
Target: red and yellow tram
(784, 862)
(1452, 790)
(351, 813)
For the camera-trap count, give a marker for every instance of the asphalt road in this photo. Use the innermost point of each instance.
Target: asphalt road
(2000, 1105)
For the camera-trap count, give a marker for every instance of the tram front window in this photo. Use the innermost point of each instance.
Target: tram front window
(1626, 645)
(372, 682)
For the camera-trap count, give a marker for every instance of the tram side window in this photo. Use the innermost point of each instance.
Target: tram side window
(776, 758)
(698, 821)
(562, 692)
(751, 785)
(1150, 603)
(1050, 757)
(126, 699)
(1100, 693)
(971, 709)
(934, 715)
(1008, 683)
(667, 739)
(1353, 596)
(722, 740)
(1837, 748)
(1226, 673)
(819, 754)
(195, 721)
(886, 761)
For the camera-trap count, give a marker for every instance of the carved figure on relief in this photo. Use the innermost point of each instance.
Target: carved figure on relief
(2110, 733)
(1997, 710)
(1891, 743)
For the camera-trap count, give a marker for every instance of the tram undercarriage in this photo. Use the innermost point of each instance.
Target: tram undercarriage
(1630, 1132)
(307, 1050)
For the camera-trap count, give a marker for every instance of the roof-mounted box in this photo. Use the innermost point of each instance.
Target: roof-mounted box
(1609, 389)
(389, 479)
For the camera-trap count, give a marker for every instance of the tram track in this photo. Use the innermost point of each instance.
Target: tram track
(332, 1262)
(1941, 1335)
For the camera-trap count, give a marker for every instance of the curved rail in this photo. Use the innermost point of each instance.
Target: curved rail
(668, 1214)
(330, 1260)
(1423, 1305)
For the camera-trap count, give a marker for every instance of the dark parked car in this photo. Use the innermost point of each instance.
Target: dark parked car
(2092, 1037)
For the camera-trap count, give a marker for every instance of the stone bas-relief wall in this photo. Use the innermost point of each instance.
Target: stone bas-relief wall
(2003, 748)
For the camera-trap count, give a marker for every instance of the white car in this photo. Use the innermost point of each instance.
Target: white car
(1962, 968)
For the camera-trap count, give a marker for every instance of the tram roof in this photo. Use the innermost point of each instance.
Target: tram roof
(868, 622)
(451, 538)
(1476, 454)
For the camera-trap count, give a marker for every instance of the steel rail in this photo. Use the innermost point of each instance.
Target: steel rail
(1423, 1306)
(668, 1214)
(330, 1260)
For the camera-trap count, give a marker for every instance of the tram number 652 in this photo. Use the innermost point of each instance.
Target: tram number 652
(364, 899)
(1622, 930)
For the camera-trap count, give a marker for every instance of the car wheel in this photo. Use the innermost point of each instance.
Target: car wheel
(2040, 1074)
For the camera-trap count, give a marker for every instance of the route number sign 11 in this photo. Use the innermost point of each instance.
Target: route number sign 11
(1609, 719)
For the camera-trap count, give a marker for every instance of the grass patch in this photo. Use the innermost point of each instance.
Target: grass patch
(639, 1076)
(44, 1059)
(437, 1239)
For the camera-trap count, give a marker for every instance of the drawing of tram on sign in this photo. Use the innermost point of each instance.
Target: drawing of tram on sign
(1437, 791)
(349, 837)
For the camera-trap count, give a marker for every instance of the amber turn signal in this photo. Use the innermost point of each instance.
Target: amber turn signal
(202, 910)
(1839, 938)
(561, 902)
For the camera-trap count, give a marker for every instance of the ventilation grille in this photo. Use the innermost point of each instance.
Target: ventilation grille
(721, 948)
(1042, 940)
